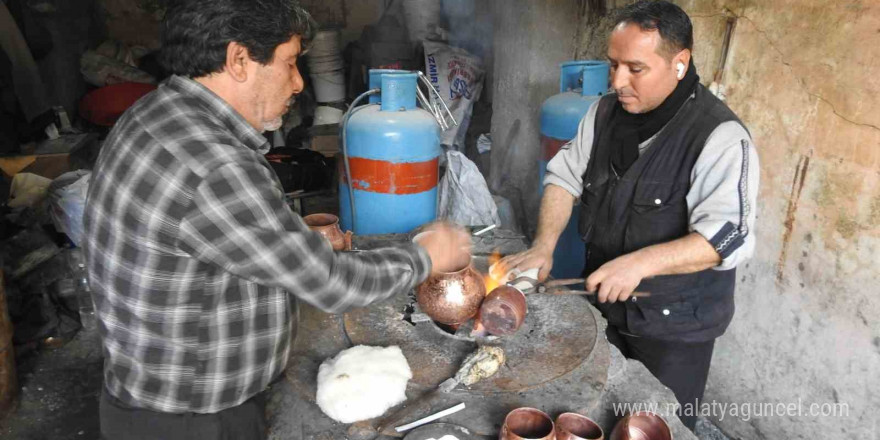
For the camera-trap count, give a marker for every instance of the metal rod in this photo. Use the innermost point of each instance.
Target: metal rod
(558, 291)
(431, 87)
(485, 230)
(434, 109)
(565, 282)
(430, 418)
(430, 108)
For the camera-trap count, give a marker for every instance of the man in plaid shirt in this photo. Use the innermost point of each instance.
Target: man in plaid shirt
(192, 252)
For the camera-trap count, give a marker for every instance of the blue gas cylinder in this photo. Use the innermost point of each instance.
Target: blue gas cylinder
(393, 155)
(580, 84)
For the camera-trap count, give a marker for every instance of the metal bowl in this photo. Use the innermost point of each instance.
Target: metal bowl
(573, 426)
(527, 424)
(642, 425)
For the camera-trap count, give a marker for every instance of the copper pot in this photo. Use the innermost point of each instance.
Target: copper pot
(328, 226)
(503, 311)
(573, 426)
(527, 424)
(641, 426)
(454, 297)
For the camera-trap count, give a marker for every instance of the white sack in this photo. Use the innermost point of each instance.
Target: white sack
(458, 76)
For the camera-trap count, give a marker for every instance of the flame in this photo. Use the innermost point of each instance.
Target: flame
(490, 281)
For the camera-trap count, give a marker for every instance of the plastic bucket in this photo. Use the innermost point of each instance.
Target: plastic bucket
(326, 42)
(329, 86)
(325, 115)
(326, 65)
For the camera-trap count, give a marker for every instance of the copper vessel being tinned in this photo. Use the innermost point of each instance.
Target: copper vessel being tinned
(641, 426)
(573, 426)
(527, 424)
(503, 311)
(452, 298)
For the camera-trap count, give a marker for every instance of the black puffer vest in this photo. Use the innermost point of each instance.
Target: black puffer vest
(645, 206)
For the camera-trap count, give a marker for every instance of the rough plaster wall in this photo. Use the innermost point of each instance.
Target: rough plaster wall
(531, 39)
(802, 75)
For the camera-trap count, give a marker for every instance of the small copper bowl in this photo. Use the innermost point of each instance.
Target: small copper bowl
(573, 426)
(503, 311)
(641, 426)
(328, 226)
(527, 424)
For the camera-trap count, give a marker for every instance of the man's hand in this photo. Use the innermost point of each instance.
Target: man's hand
(555, 211)
(448, 245)
(536, 257)
(617, 279)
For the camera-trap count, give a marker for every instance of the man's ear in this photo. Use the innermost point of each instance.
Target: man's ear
(237, 59)
(682, 58)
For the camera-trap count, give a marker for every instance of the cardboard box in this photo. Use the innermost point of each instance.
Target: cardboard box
(326, 144)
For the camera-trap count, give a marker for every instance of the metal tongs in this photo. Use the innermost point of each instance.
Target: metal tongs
(529, 285)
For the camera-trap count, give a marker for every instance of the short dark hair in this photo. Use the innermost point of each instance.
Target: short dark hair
(196, 33)
(674, 25)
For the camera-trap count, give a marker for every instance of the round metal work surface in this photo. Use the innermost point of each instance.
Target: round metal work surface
(557, 336)
(555, 362)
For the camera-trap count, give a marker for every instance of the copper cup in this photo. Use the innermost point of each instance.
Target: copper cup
(328, 226)
(573, 426)
(642, 425)
(527, 424)
(503, 311)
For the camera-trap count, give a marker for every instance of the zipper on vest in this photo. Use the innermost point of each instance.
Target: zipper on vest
(612, 184)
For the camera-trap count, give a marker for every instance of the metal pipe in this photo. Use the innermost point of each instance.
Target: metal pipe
(427, 82)
(430, 108)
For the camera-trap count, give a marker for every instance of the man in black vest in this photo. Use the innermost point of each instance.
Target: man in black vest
(667, 178)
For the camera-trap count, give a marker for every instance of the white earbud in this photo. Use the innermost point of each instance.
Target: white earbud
(680, 68)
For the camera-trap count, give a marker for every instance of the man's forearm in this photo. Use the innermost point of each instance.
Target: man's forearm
(556, 206)
(691, 253)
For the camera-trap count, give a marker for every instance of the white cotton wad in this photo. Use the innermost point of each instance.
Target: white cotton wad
(362, 382)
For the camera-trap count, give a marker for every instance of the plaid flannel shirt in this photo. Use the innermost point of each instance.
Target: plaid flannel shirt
(192, 254)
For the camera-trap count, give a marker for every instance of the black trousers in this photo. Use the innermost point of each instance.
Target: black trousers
(122, 422)
(683, 367)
